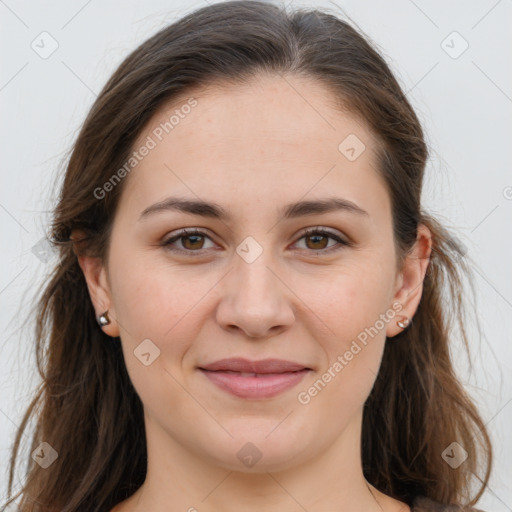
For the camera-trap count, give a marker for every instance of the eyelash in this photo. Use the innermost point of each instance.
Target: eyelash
(311, 231)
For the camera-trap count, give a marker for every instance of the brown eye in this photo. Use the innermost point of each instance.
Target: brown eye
(317, 240)
(191, 241)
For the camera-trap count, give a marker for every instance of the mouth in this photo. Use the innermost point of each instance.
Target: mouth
(255, 379)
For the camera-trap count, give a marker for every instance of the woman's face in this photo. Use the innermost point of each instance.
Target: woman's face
(250, 163)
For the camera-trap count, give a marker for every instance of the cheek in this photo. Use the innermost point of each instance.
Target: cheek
(162, 305)
(353, 305)
(158, 302)
(352, 308)
(350, 300)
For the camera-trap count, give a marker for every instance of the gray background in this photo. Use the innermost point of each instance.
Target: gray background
(464, 102)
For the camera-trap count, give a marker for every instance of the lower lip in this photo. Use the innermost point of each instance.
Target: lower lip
(262, 386)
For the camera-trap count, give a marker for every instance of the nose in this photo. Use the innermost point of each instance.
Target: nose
(256, 299)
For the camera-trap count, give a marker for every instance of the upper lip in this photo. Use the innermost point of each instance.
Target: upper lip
(239, 364)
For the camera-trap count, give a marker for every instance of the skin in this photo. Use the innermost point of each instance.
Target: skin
(254, 149)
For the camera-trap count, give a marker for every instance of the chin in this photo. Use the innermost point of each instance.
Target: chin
(252, 451)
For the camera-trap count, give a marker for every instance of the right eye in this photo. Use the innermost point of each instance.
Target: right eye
(192, 241)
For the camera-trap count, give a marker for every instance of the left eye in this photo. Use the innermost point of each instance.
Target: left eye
(316, 240)
(321, 237)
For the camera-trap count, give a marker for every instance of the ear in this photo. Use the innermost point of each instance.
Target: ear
(409, 281)
(95, 275)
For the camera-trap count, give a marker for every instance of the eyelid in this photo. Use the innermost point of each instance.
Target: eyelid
(321, 229)
(182, 233)
(341, 240)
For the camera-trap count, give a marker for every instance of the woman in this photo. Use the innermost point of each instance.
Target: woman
(248, 313)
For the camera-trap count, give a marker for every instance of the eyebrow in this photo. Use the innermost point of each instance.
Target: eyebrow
(215, 211)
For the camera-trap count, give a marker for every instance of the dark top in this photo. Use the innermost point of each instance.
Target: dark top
(422, 504)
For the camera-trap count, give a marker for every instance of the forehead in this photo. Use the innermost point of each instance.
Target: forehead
(273, 134)
(279, 109)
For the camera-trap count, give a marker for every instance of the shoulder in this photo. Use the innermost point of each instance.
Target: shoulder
(422, 504)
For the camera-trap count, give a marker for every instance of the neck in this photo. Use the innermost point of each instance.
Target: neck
(178, 480)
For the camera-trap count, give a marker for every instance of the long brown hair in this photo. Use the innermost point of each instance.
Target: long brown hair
(86, 406)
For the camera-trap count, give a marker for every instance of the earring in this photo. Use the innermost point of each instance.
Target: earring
(103, 319)
(403, 323)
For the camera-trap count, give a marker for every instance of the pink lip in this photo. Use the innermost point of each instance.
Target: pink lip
(269, 376)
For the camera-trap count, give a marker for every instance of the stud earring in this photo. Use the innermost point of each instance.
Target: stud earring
(103, 319)
(403, 323)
